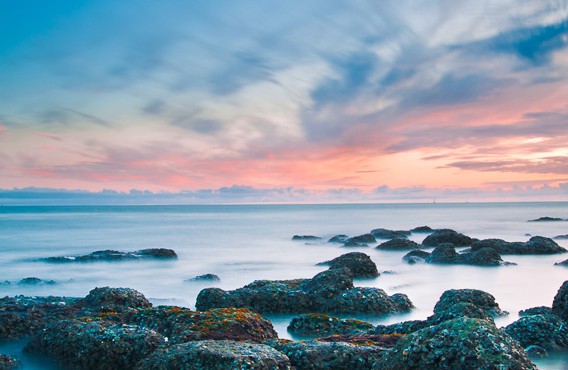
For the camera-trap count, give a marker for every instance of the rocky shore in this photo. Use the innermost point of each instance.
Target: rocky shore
(118, 328)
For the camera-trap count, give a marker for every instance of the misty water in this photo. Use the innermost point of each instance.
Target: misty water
(243, 243)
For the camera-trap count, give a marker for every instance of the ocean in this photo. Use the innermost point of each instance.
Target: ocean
(243, 243)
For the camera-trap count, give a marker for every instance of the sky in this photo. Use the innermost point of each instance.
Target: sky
(315, 99)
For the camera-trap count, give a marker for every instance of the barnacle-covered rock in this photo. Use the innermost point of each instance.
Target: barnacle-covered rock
(216, 354)
(9, 363)
(464, 343)
(360, 264)
(95, 344)
(317, 325)
(398, 244)
(108, 299)
(447, 236)
(535, 245)
(546, 331)
(476, 297)
(560, 303)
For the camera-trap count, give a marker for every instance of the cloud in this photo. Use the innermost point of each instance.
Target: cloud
(558, 165)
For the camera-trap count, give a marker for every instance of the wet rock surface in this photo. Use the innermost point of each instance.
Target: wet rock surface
(541, 310)
(9, 363)
(330, 291)
(536, 245)
(446, 253)
(360, 264)
(442, 236)
(211, 354)
(478, 298)
(390, 234)
(422, 229)
(463, 343)
(560, 302)
(415, 256)
(306, 237)
(563, 263)
(108, 299)
(95, 344)
(546, 331)
(340, 238)
(317, 325)
(112, 255)
(315, 355)
(398, 244)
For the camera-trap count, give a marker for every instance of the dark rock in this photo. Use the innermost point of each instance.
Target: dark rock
(35, 281)
(318, 325)
(560, 303)
(563, 263)
(216, 354)
(415, 256)
(398, 244)
(354, 244)
(422, 229)
(390, 234)
(541, 310)
(95, 344)
(182, 325)
(315, 355)
(547, 331)
(305, 237)
(561, 237)
(443, 253)
(405, 327)
(112, 255)
(360, 264)
(499, 245)
(329, 291)
(362, 239)
(478, 298)
(447, 236)
(9, 363)
(536, 351)
(463, 343)
(542, 245)
(446, 254)
(382, 340)
(535, 245)
(108, 299)
(459, 310)
(205, 278)
(547, 219)
(23, 316)
(341, 238)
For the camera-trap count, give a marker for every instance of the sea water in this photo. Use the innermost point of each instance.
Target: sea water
(243, 243)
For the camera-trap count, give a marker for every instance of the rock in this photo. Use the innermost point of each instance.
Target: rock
(547, 219)
(560, 303)
(341, 238)
(398, 244)
(318, 325)
(541, 310)
(315, 355)
(390, 234)
(405, 327)
(35, 281)
(443, 253)
(542, 245)
(563, 263)
(182, 325)
(561, 237)
(546, 331)
(463, 343)
(362, 239)
(459, 310)
(360, 264)
(205, 278)
(415, 256)
(216, 354)
(536, 352)
(447, 236)
(478, 298)
(354, 244)
(305, 237)
(329, 291)
(9, 363)
(382, 340)
(446, 254)
(112, 255)
(422, 229)
(108, 299)
(500, 245)
(93, 345)
(535, 245)
(23, 316)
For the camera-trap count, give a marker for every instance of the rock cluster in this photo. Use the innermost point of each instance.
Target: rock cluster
(318, 325)
(112, 255)
(535, 245)
(360, 264)
(330, 291)
(446, 254)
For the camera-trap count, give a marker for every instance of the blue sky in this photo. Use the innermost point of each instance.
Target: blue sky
(312, 95)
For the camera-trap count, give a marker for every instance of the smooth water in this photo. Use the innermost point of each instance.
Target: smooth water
(242, 243)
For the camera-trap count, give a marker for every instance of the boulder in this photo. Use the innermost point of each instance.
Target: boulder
(354, 244)
(447, 236)
(35, 281)
(316, 355)
(95, 344)
(318, 325)
(158, 253)
(463, 343)
(500, 245)
(361, 239)
(182, 325)
(478, 298)
(546, 331)
(542, 245)
(390, 234)
(547, 219)
(9, 363)
(459, 310)
(341, 238)
(560, 302)
(541, 310)
(205, 278)
(216, 354)
(398, 244)
(561, 237)
(360, 264)
(108, 299)
(329, 291)
(415, 256)
(535, 245)
(405, 327)
(446, 254)
(422, 229)
(563, 263)
(306, 237)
